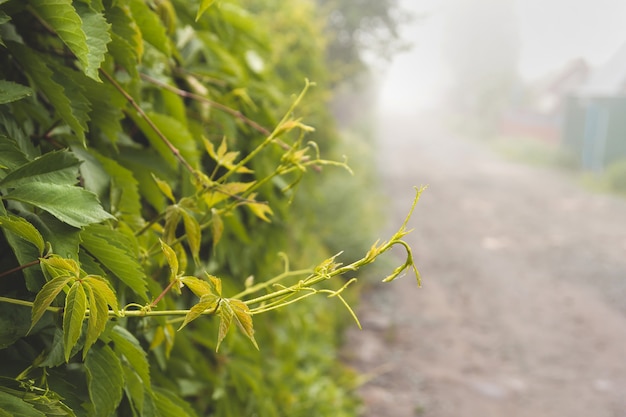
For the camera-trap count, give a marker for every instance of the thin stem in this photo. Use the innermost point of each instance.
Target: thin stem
(19, 268)
(165, 291)
(27, 304)
(154, 127)
(219, 106)
(270, 138)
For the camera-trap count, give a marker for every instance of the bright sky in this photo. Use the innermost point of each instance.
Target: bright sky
(552, 32)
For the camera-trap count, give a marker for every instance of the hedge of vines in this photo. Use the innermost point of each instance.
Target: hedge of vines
(153, 155)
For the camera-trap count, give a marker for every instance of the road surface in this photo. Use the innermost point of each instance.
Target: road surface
(522, 312)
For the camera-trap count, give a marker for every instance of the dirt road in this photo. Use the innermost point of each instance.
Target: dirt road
(522, 312)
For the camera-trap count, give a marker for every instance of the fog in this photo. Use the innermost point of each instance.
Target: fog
(551, 33)
(514, 115)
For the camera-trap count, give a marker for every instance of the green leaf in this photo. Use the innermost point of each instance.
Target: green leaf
(105, 380)
(73, 316)
(44, 298)
(67, 23)
(96, 30)
(10, 91)
(59, 168)
(172, 259)
(23, 229)
(127, 345)
(11, 156)
(207, 302)
(36, 68)
(98, 317)
(72, 205)
(203, 8)
(123, 25)
(194, 235)
(125, 198)
(14, 324)
(174, 131)
(152, 28)
(112, 250)
(12, 406)
(171, 405)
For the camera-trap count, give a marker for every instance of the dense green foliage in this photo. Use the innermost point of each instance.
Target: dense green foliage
(150, 154)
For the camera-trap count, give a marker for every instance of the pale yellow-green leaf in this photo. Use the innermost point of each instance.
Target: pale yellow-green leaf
(261, 210)
(55, 266)
(193, 232)
(98, 317)
(103, 289)
(207, 302)
(197, 286)
(226, 316)
(217, 227)
(23, 229)
(172, 260)
(203, 8)
(46, 295)
(165, 188)
(216, 284)
(73, 316)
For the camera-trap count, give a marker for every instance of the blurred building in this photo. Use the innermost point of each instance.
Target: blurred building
(595, 116)
(537, 110)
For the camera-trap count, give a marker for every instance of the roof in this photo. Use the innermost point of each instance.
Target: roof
(609, 79)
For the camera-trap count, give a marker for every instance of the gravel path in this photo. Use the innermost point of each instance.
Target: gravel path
(522, 312)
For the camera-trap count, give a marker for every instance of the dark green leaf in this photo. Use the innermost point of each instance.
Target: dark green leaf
(44, 298)
(12, 406)
(73, 316)
(22, 228)
(36, 68)
(105, 379)
(109, 247)
(14, 324)
(127, 345)
(63, 18)
(11, 156)
(54, 167)
(96, 30)
(10, 91)
(72, 205)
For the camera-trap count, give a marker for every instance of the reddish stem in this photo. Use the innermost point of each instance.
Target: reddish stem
(19, 268)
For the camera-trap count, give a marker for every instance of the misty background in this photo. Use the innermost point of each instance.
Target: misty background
(461, 44)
